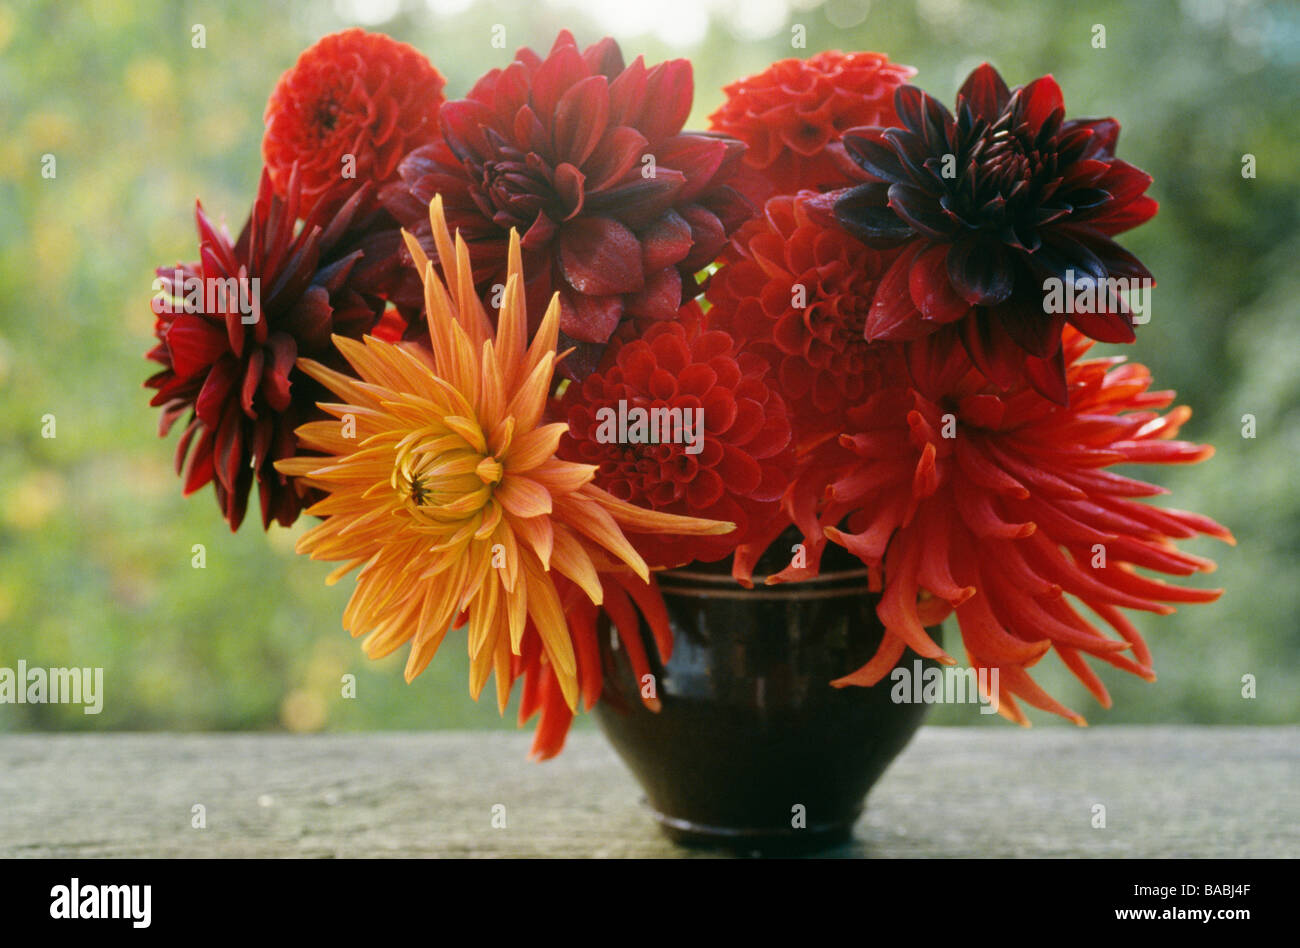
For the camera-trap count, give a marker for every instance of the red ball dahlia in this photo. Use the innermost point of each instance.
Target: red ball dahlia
(618, 207)
(791, 116)
(797, 292)
(230, 327)
(989, 205)
(347, 112)
(681, 420)
(998, 506)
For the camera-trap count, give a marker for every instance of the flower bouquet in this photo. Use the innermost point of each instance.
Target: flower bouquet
(713, 428)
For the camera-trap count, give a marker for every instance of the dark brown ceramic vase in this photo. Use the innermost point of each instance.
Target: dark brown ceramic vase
(750, 729)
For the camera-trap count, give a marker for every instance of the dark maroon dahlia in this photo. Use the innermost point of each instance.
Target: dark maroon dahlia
(230, 327)
(989, 205)
(617, 207)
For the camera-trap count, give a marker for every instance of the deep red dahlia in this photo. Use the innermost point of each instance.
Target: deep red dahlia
(791, 116)
(797, 293)
(356, 94)
(618, 208)
(998, 506)
(988, 205)
(679, 377)
(228, 345)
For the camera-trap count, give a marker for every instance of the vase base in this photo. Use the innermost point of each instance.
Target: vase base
(754, 839)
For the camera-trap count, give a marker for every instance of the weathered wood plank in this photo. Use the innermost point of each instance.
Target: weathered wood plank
(1168, 791)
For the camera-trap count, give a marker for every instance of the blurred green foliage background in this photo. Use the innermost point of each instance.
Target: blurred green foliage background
(96, 540)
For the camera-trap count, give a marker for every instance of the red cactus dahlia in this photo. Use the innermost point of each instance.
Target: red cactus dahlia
(797, 293)
(587, 159)
(791, 116)
(228, 345)
(733, 468)
(997, 505)
(356, 94)
(987, 206)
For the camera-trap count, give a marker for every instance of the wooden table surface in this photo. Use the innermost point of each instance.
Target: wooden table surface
(1168, 791)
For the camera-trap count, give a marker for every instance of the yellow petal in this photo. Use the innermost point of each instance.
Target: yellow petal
(512, 322)
(570, 557)
(522, 496)
(440, 315)
(533, 447)
(589, 519)
(538, 534)
(529, 400)
(338, 383)
(553, 628)
(416, 251)
(492, 393)
(473, 317)
(642, 520)
(546, 337)
(563, 477)
(468, 429)
(501, 665)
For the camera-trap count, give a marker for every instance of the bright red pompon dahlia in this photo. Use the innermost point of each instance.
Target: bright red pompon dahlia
(988, 206)
(792, 114)
(347, 112)
(618, 207)
(230, 328)
(680, 420)
(998, 506)
(796, 292)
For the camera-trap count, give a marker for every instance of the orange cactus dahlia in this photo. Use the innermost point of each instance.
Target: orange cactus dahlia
(448, 493)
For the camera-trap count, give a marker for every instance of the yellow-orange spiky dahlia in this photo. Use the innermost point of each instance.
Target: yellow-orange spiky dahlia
(448, 493)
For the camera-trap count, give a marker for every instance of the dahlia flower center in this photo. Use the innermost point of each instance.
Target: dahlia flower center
(649, 474)
(834, 328)
(325, 113)
(840, 321)
(1009, 167)
(517, 189)
(444, 483)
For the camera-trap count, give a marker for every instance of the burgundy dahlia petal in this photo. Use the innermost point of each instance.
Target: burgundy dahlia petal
(980, 270)
(586, 157)
(985, 93)
(1015, 196)
(601, 257)
(229, 358)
